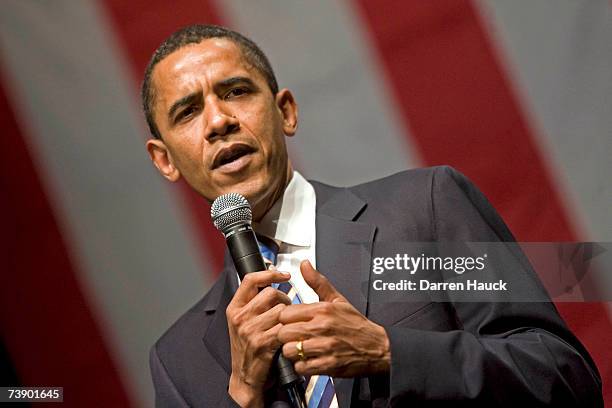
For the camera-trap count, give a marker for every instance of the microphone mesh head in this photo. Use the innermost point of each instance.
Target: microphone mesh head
(230, 209)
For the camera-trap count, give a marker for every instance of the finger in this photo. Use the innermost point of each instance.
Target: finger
(325, 364)
(270, 339)
(272, 333)
(294, 332)
(313, 348)
(302, 312)
(252, 282)
(265, 321)
(319, 283)
(262, 344)
(265, 300)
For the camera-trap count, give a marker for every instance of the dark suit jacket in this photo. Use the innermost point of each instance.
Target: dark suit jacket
(485, 353)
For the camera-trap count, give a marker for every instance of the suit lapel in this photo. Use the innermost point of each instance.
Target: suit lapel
(216, 338)
(343, 249)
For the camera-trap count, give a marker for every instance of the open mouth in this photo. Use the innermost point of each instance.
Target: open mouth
(231, 154)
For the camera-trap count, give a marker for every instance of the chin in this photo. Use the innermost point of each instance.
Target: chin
(252, 190)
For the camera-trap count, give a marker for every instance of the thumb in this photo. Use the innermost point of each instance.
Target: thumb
(320, 284)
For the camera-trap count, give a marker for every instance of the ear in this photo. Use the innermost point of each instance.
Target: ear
(289, 111)
(162, 159)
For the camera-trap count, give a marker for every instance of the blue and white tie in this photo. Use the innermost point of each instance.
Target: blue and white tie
(320, 392)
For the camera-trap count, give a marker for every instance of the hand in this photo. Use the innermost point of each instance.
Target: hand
(337, 339)
(252, 320)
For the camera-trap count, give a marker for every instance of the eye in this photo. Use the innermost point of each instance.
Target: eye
(235, 92)
(185, 113)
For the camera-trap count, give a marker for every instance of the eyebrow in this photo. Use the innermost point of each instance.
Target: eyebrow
(184, 101)
(229, 82)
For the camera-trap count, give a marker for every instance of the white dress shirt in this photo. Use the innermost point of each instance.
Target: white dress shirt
(291, 223)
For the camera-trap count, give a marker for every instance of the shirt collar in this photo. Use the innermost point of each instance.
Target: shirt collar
(291, 218)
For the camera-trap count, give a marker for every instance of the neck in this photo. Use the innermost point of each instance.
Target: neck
(260, 209)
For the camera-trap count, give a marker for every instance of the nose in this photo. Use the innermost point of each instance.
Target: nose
(219, 120)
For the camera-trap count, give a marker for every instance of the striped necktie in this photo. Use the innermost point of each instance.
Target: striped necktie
(320, 392)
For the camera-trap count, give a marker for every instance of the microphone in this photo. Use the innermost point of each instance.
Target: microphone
(231, 214)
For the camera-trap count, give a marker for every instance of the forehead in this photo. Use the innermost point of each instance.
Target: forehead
(201, 64)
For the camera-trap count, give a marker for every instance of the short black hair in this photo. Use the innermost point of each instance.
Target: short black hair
(194, 34)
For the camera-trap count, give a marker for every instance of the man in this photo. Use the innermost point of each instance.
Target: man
(220, 121)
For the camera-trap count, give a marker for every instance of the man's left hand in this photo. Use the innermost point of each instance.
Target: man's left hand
(337, 340)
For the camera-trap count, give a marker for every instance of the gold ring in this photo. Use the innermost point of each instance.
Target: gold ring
(300, 350)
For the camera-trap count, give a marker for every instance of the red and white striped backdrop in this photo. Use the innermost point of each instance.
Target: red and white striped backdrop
(100, 255)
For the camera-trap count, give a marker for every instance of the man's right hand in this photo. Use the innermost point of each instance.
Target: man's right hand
(252, 319)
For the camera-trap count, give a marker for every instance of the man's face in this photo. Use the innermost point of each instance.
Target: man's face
(222, 128)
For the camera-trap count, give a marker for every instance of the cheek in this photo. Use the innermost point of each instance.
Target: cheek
(264, 124)
(272, 134)
(188, 152)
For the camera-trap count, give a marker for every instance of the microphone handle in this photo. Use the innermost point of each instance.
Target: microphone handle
(243, 247)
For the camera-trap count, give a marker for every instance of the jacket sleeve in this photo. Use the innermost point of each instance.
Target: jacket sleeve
(505, 353)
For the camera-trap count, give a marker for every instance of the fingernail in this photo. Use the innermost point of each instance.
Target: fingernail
(287, 274)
